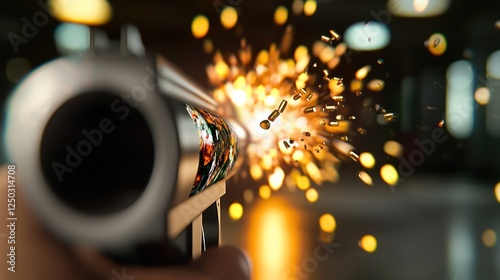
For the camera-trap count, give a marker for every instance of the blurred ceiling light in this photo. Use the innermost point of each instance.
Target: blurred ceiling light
(368, 36)
(459, 114)
(229, 17)
(91, 12)
(420, 5)
(418, 8)
(200, 26)
(71, 38)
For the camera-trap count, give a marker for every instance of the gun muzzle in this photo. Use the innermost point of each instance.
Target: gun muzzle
(111, 156)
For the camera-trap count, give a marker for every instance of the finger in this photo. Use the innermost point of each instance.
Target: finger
(225, 263)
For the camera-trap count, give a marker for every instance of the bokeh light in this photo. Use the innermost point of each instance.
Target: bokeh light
(200, 26)
(460, 90)
(312, 195)
(248, 196)
(281, 15)
(389, 174)
(235, 211)
(208, 46)
(482, 95)
(368, 243)
(375, 85)
(493, 65)
(393, 148)
(310, 7)
(297, 7)
(276, 179)
(367, 160)
(365, 178)
(420, 5)
(436, 44)
(489, 238)
(229, 17)
(71, 38)
(91, 12)
(265, 192)
(303, 182)
(418, 8)
(367, 36)
(327, 223)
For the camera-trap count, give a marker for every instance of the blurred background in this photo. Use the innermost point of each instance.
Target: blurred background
(439, 60)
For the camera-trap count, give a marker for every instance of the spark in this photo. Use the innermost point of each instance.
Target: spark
(307, 141)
